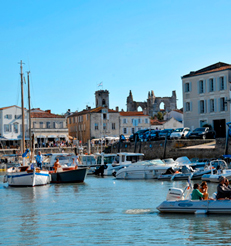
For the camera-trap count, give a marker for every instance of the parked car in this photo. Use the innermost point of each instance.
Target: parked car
(165, 132)
(179, 133)
(139, 135)
(203, 132)
(151, 135)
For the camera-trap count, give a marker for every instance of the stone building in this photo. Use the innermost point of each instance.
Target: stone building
(207, 97)
(152, 105)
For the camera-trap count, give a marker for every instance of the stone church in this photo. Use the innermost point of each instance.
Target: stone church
(152, 105)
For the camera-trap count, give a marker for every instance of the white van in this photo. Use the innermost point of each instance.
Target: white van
(179, 133)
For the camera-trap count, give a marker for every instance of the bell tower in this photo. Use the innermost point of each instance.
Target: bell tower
(102, 98)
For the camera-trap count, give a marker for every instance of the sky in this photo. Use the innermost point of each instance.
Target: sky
(71, 46)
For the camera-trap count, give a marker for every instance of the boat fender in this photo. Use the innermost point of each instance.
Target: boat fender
(5, 179)
(201, 211)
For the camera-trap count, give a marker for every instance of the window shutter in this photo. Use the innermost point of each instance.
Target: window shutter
(208, 85)
(215, 105)
(198, 107)
(226, 104)
(209, 102)
(190, 86)
(190, 106)
(204, 85)
(219, 104)
(214, 84)
(198, 87)
(205, 106)
(108, 116)
(218, 84)
(225, 83)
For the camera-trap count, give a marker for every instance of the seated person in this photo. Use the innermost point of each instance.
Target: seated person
(227, 183)
(196, 194)
(204, 189)
(223, 192)
(56, 165)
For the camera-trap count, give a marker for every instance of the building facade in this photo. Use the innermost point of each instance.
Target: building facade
(47, 127)
(206, 97)
(94, 123)
(131, 122)
(11, 124)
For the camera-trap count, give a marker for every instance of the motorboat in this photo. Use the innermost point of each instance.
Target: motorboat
(215, 174)
(69, 176)
(88, 161)
(25, 176)
(179, 201)
(11, 160)
(144, 170)
(111, 163)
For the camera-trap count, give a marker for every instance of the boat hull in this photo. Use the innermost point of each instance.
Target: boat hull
(192, 207)
(70, 176)
(27, 179)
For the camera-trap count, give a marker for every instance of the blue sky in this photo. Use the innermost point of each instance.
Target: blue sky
(71, 46)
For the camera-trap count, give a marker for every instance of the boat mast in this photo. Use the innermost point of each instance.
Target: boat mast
(30, 139)
(22, 105)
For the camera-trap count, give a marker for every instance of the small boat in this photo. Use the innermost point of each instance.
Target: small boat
(24, 176)
(178, 201)
(69, 176)
(222, 170)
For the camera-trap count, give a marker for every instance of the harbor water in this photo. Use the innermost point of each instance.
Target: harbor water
(103, 211)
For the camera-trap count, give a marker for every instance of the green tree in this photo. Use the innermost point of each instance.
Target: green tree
(159, 116)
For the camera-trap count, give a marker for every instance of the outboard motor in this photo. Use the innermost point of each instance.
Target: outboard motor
(175, 194)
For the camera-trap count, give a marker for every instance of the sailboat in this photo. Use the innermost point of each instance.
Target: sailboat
(26, 175)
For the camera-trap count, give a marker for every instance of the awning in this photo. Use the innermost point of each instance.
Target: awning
(52, 136)
(40, 136)
(62, 136)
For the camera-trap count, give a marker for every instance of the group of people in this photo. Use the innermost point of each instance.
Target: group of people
(39, 162)
(200, 192)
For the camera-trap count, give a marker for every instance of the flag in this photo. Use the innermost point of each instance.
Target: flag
(100, 84)
(189, 182)
(26, 154)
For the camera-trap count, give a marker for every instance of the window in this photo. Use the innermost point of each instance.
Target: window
(7, 128)
(48, 124)
(187, 107)
(202, 123)
(133, 130)
(211, 85)
(187, 88)
(8, 116)
(17, 116)
(124, 130)
(222, 104)
(41, 124)
(222, 84)
(125, 121)
(69, 120)
(104, 126)
(103, 102)
(201, 86)
(34, 124)
(96, 126)
(61, 124)
(212, 105)
(139, 121)
(146, 121)
(104, 116)
(15, 127)
(113, 126)
(54, 125)
(202, 107)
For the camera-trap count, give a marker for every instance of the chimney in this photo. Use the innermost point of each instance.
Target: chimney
(117, 109)
(48, 111)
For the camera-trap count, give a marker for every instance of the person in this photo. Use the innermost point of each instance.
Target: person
(204, 189)
(56, 165)
(39, 160)
(227, 183)
(223, 192)
(196, 194)
(75, 162)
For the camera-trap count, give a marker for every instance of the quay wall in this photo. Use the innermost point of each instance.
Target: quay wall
(176, 148)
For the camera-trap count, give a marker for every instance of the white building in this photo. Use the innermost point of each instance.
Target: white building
(11, 124)
(176, 114)
(47, 127)
(131, 122)
(206, 97)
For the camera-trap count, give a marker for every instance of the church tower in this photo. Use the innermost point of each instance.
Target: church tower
(102, 98)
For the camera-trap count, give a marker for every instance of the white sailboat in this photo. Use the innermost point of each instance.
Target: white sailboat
(26, 175)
